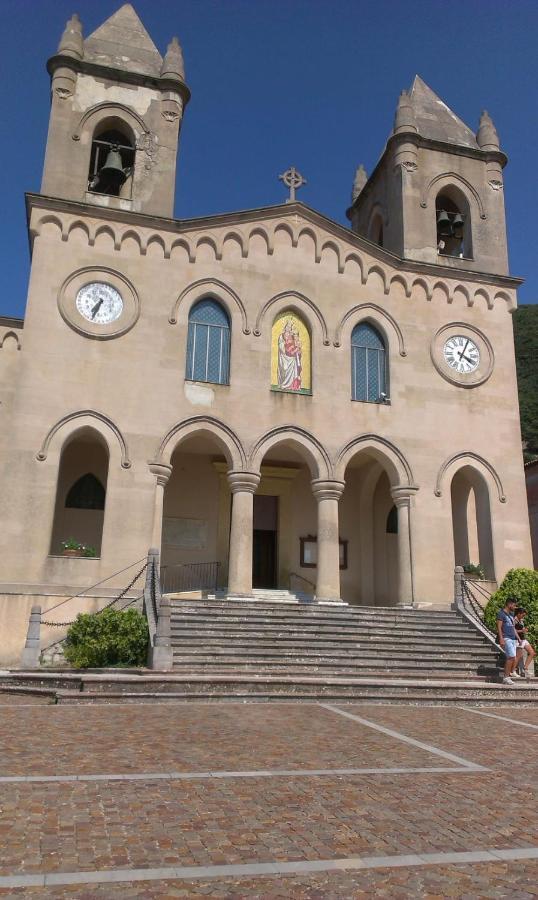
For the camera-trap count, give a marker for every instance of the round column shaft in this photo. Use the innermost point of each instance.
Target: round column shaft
(243, 486)
(327, 494)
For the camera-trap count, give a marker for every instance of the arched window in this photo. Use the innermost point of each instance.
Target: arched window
(368, 364)
(208, 343)
(111, 160)
(79, 511)
(392, 521)
(86, 493)
(453, 221)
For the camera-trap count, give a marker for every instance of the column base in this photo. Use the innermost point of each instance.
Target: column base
(330, 601)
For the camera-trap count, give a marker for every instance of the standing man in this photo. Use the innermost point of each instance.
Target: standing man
(508, 640)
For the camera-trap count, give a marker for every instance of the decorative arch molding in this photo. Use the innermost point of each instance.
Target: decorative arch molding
(232, 446)
(423, 284)
(383, 317)
(106, 229)
(134, 235)
(267, 237)
(354, 257)
(452, 178)
(399, 279)
(375, 269)
(200, 289)
(182, 242)
(392, 459)
(444, 290)
(107, 425)
(311, 234)
(316, 456)
(481, 292)
(78, 225)
(511, 304)
(293, 295)
(283, 226)
(10, 334)
(467, 457)
(337, 250)
(208, 241)
(239, 238)
(49, 220)
(109, 108)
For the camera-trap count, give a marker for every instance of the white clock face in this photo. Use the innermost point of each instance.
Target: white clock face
(99, 302)
(461, 354)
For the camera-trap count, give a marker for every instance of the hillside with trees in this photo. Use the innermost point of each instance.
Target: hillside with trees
(526, 341)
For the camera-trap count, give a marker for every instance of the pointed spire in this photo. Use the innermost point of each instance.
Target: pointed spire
(487, 137)
(173, 65)
(405, 120)
(71, 43)
(358, 184)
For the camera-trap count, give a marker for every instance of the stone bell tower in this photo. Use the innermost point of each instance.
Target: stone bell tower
(436, 194)
(116, 113)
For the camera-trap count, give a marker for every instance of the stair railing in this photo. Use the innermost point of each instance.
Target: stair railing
(301, 578)
(158, 614)
(469, 607)
(182, 577)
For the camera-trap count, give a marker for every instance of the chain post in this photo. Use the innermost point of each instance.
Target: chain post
(162, 656)
(458, 585)
(31, 652)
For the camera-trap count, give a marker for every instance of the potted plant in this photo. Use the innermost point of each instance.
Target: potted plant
(473, 571)
(71, 547)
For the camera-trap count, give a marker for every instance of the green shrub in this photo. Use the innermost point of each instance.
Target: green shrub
(110, 638)
(522, 585)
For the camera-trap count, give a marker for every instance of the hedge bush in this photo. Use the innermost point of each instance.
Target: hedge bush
(522, 585)
(110, 638)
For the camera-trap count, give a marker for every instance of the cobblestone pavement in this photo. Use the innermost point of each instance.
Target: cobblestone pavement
(170, 812)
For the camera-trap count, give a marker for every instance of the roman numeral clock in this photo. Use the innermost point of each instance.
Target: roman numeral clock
(462, 354)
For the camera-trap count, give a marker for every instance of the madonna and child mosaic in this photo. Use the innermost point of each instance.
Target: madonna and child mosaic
(290, 354)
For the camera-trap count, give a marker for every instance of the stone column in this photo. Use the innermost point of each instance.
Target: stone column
(243, 486)
(31, 652)
(327, 494)
(402, 501)
(162, 473)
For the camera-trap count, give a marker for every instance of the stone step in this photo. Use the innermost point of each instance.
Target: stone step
(370, 697)
(467, 641)
(311, 610)
(209, 625)
(397, 671)
(226, 620)
(371, 657)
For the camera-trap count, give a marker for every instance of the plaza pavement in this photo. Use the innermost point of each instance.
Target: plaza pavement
(267, 800)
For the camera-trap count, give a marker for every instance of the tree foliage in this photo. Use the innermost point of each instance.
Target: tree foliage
(522, 585)
(526, 343)
(109, 638)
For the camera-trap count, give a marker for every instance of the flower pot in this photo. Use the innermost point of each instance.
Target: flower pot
(71, 553)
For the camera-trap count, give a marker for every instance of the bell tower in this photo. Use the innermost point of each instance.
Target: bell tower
(116, 113)
(436, 194)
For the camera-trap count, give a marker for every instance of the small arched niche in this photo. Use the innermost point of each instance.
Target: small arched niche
(81, 492)
(471, 520)
(112, 159)
(375, 228)
(453, 223)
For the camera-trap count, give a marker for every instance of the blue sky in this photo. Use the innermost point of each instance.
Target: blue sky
(312, 83)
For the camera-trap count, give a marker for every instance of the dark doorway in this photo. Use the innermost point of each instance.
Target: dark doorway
(265, 542)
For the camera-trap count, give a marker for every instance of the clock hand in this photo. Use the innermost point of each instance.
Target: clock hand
(96, 308)
(462, 353)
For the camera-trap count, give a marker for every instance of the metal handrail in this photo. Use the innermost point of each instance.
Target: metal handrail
(182, 577)
(302, 578)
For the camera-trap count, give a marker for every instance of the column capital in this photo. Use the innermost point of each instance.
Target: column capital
(162, 472)
(401, 494)
(324, 489)
(243, 482)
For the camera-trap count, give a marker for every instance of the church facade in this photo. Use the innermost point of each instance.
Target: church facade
(301, 405)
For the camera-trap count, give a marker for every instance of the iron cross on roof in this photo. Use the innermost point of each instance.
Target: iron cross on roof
(293, 180)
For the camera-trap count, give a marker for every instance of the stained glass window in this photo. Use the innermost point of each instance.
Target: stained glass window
(208, 343)
(368, 364)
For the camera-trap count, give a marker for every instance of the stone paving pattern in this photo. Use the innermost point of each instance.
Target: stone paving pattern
(64, 827)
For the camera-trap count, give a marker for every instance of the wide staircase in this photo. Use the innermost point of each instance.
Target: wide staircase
(278, 647)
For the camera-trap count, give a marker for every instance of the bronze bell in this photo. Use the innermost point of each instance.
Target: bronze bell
(443, 223)
(112, 175)
(457, 225)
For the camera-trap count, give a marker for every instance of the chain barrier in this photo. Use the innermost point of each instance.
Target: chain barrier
(108, 605)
